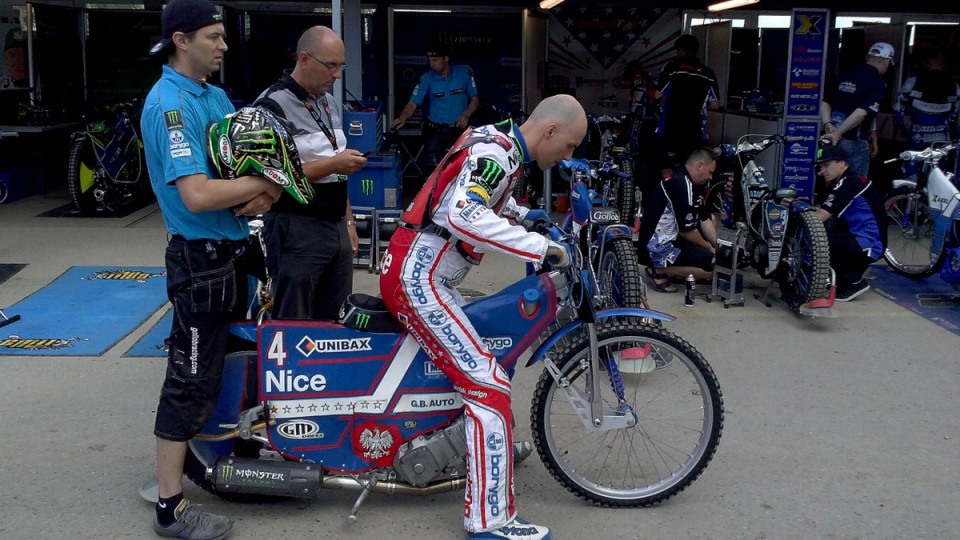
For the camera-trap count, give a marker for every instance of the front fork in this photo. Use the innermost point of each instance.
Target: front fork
(588, 403)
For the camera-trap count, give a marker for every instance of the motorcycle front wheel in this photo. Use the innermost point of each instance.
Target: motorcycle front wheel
(618, 276)
(669, 389)
(82, 175)
(909, 234)
(804, 273)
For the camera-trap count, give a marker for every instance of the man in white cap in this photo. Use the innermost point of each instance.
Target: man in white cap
(848, 110)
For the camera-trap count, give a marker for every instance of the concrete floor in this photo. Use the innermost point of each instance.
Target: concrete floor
(835, 428)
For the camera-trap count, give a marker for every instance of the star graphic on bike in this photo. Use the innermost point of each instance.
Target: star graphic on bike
(299, 408)
(273, 409)
(286, 409)
(338, 406)
(325, 407)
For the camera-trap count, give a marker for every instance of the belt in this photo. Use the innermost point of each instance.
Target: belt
(225, 243)
(432, 229)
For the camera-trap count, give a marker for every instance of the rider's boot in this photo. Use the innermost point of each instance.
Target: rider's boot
(518, 529)
(521, 451)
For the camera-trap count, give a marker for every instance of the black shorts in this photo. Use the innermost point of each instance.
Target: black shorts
(693, 255)
(207, 295)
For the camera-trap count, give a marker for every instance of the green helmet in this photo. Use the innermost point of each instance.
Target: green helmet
(252, 141)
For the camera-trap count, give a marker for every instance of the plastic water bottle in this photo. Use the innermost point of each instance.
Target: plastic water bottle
(688, 297)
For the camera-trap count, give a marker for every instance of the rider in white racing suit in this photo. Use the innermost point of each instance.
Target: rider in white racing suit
(464, 209)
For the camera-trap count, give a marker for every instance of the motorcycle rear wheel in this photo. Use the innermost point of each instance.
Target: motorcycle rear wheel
(82, 172)
(677, 400)
(804, 273)
(909, 234)
(618, 276)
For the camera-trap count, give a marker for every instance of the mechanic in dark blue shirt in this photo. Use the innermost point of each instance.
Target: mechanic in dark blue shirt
(686, 90)
(677, 233)
(853, 214)
(851, 105)
(450, 94)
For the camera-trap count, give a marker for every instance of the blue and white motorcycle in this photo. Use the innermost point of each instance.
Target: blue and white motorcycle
(625, 413)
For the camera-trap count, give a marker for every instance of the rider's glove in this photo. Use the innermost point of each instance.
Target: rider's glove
(535, 216)
(558, 255)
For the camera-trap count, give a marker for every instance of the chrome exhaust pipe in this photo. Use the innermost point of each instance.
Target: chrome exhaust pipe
(391, 488)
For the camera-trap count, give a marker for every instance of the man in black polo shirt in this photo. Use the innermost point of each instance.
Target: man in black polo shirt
(310, 248)
(686, 89)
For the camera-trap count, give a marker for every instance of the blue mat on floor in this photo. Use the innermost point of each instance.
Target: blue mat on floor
(151, 344)
(84, 312)
(931, 298)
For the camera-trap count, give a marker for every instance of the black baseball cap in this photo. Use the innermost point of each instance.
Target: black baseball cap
(831, 152)
(185, 16)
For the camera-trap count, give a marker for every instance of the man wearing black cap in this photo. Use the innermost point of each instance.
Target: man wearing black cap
(450, 93)
(206, 219)
(853, 215)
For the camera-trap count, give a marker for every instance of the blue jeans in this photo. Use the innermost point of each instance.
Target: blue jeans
(858, 153)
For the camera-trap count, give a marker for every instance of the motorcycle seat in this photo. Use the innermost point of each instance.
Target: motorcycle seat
(368, 314)
(784, 193)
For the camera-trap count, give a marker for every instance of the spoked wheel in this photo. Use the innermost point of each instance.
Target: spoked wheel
(909, 234)
(82, 173)
(618, 276)
(804, 275)
(668, 388)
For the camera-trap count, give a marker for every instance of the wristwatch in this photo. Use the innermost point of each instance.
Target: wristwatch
(351, 223)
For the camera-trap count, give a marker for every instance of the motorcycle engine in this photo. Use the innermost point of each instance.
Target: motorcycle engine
(436, 455)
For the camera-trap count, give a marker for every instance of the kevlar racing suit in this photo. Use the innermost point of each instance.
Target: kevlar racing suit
(464, 209)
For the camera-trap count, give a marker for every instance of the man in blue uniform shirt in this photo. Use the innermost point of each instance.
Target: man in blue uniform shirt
(450, 94)
(853, 215)
(206, 219)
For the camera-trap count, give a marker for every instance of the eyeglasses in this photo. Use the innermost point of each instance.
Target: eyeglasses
(329, 65)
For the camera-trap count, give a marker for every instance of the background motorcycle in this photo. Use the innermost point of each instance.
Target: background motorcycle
(624, 413)
(785, 242)
(106, 166)
(598, 224)
(923, 229)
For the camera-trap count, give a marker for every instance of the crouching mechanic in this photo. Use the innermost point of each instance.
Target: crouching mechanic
(852, 213)
(678, 235)
(463, 210)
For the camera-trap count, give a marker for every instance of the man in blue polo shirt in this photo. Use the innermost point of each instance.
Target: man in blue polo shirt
(450, 94)
(206, 219)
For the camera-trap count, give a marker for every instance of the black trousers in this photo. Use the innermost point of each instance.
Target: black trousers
(847, 258)
(439, 138)
(310, 261)
(207, 294)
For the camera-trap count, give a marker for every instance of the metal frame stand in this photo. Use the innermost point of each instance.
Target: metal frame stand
(728, 281)
(366, 218)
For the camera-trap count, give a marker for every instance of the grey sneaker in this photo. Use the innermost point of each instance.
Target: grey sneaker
(521, 451)
(194, 524)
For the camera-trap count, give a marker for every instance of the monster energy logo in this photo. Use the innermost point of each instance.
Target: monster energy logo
(362, 320)
(173, 119)
(490, 175)
(226, 472)
(367, 185)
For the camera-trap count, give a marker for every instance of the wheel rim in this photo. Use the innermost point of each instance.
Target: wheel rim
(909, 233)
(676, 417)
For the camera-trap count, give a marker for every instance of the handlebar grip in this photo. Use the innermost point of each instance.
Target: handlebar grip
(553, 260)
(546, 228)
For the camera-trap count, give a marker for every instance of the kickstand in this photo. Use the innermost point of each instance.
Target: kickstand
(766, 292)
(352, 518)
(4, 320)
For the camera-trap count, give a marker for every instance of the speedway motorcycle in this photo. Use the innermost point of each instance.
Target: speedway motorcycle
(594, 218)
(624, 414)
(923, 225)
(785, 241)
(106, 167)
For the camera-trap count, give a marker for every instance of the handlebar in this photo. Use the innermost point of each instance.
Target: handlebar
(928, 155)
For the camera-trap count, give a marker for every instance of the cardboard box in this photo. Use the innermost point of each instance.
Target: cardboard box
(376, 185)
(364, 126)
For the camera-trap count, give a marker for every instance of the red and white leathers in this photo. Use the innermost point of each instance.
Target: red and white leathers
(471, 211)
